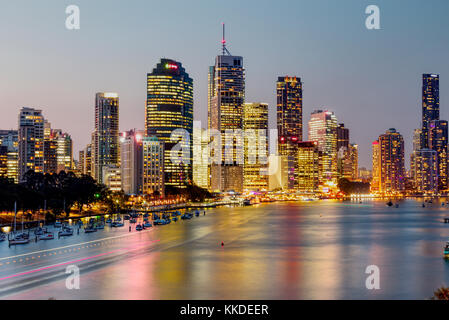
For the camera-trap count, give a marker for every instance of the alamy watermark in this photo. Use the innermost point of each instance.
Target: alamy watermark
(72, 21)
(73, 280)
(373, 280)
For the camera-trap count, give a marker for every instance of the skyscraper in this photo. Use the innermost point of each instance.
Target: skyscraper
(426, 166)
(87, 166)
(200, 156)
(153, 166)
(169, 108)
(255, 125)
(438, 137)
(50, 148)
(342, 136)
(10, 140)
(226, 98)
(3, 162)
(323, 129)
(131, 159)
(64, 151)
(430, 104)
(309, 167)
(391, 162)
(289, 124)
(105, 141)
(31, 141)
(375, 181)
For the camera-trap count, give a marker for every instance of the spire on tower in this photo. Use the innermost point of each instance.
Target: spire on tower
(223, 42)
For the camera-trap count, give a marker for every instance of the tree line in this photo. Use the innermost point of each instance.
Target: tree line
(55, 193)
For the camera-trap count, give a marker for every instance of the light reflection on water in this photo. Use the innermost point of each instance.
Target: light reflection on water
(313, 250)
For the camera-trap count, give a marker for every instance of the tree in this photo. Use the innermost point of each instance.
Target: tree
(441, 294)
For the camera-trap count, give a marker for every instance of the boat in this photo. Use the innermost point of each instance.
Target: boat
(119, 219)
(109, 221)
(147, 225)
(46, 236)
(139, 227)
(126, 217)
(389, 203)
(186, 216)
(133, 221)
(160, 222)
(246, 202)
(145, 215)
(446, 250)
(65, 232)
(90, 229)
(100, 226)
(117, 224)
(58, 224)
(175, 219)
(2, 237)
(18, 239)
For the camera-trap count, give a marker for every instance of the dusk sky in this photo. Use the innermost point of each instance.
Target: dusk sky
(370, 78)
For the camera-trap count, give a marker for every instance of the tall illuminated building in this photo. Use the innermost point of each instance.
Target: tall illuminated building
(153, 166)
(255, 126)
(348, 159)
(375, 181)
(50, 147)
(323, 129)
(131, 159)
(64, 151)
(81, 162)
(426, 166)
(200, 156)
(417, 137)
(391, 162)
(169, 108)
(87, 160)
(438, 137)
(342, 136)
(309, 167)
(31, 141)
(226, 99)
(10, 140)
(105, 139)
(430, 104)
(289, 123)
(3, 162)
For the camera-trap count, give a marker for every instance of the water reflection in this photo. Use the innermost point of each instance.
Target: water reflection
(312, 250)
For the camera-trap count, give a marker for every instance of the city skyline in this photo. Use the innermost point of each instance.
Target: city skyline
(313, 55)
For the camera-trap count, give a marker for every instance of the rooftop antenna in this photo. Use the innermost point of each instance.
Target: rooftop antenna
(223, 42)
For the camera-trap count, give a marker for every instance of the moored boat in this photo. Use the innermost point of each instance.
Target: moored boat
(90, 229)
(65, 232)
(46, 236)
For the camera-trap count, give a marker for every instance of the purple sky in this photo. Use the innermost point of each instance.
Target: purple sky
(370, 78)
